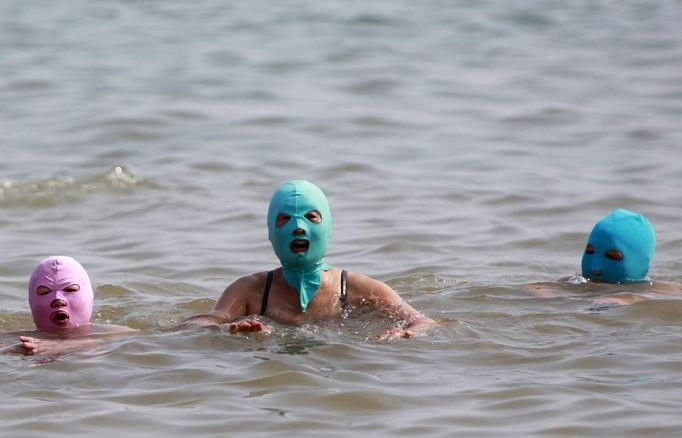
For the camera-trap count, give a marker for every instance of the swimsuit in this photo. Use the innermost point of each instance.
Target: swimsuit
(268, 284)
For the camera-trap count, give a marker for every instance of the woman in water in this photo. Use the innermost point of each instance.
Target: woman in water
(619, 251)
(304, 287)
(61, 299)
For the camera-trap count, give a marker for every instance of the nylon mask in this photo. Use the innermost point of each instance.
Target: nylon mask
(59, 308)
(302, 270)
(630, 233)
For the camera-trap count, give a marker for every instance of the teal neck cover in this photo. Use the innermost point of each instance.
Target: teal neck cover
(627, 232)
(302, 270)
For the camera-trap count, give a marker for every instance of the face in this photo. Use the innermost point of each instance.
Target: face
(60, 294)
(619, 249)
(301, 244)
(299, 224)
(604, 265)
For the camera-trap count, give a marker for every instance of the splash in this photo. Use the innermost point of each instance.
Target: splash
(52, 191)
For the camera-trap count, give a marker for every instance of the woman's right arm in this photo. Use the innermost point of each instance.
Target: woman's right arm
(231, 308)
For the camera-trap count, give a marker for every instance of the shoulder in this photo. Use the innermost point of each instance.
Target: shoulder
(249, 282)
(363, 287)
(239, 293)
(360, 280)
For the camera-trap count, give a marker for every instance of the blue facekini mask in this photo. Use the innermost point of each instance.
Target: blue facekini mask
(302, 269)
(620, 249)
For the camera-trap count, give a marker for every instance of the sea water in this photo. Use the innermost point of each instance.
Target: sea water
(466, 148)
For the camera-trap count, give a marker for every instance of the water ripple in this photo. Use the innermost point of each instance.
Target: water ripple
(53, 191)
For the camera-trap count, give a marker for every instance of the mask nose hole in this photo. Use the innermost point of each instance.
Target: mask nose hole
(298, 232)
(58, 303)
(596, 272)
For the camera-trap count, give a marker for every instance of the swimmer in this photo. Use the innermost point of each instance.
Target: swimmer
(61, 299)
(619, 250)
(305, 288)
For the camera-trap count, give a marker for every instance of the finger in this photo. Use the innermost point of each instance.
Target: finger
(381, 336)
(29, 348)
(389, 335)
(28, 343)
(249, 326)
(257, 326)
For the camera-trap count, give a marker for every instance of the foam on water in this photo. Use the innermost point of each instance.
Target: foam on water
(65, 189)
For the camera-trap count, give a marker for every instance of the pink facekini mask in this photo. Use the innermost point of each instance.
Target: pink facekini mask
(52, 295)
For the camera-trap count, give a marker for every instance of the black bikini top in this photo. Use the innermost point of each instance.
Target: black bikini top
(268, 285)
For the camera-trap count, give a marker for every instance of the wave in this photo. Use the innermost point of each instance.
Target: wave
(55, 190)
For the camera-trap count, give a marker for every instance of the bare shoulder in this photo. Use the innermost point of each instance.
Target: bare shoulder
(236, 299)
(364, 285)
(364, 290)
(248, 282)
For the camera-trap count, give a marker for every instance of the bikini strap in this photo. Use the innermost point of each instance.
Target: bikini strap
(343, 298)
(266, 293)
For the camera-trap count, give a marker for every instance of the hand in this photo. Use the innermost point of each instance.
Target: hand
(395, 333)
(419, 327)
(248, 325)
(29, 345)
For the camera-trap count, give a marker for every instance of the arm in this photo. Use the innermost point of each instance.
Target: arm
(542, 290)
(654, 290)
(379, 296)
(620, 299)
(232, 308)
(552, 289)
(70, 341)
(29, 345)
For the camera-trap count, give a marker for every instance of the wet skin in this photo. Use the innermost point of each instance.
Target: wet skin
(243, 299)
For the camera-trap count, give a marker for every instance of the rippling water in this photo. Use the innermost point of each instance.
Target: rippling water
(467, 148)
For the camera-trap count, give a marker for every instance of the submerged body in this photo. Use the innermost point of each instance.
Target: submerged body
(607, 293)
(305, 288)
(83, 338)
(619, 251)
(243, 300)
(61, 299)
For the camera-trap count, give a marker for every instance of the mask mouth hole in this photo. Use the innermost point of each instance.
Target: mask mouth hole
(299, 246)
(59, 317)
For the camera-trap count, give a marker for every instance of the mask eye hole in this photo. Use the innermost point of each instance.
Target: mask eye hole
(281, 220)
(43, 290)
(314, 216)
(589, 249)
(72, 288)
(614, 255)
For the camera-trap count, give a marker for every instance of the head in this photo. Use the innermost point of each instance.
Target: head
(299, 224)
(60, 294)
(619, 249)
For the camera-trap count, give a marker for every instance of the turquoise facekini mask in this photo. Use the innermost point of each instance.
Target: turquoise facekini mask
(302, 270)
(620, 249)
